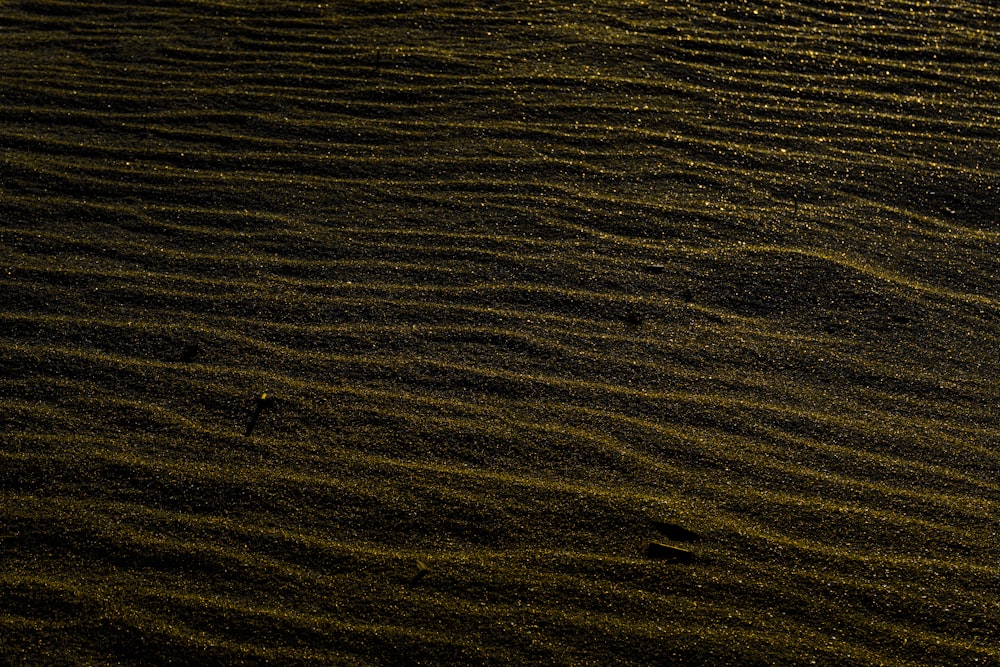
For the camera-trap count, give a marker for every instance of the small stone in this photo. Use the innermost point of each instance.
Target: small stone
(422, 571)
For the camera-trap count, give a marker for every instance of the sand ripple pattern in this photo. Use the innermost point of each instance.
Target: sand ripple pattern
(528, 282)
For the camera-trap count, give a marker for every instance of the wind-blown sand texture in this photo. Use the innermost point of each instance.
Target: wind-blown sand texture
(534, 287)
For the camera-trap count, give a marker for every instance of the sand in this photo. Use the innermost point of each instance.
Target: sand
(592, 334)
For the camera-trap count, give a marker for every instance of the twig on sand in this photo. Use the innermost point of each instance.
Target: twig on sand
(260, 402)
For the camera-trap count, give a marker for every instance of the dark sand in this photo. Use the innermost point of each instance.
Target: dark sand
(532, 286)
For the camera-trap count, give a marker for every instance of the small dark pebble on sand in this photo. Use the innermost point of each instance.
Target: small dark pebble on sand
(422, 570)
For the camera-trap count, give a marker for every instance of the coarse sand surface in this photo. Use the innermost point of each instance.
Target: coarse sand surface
(514, 333)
